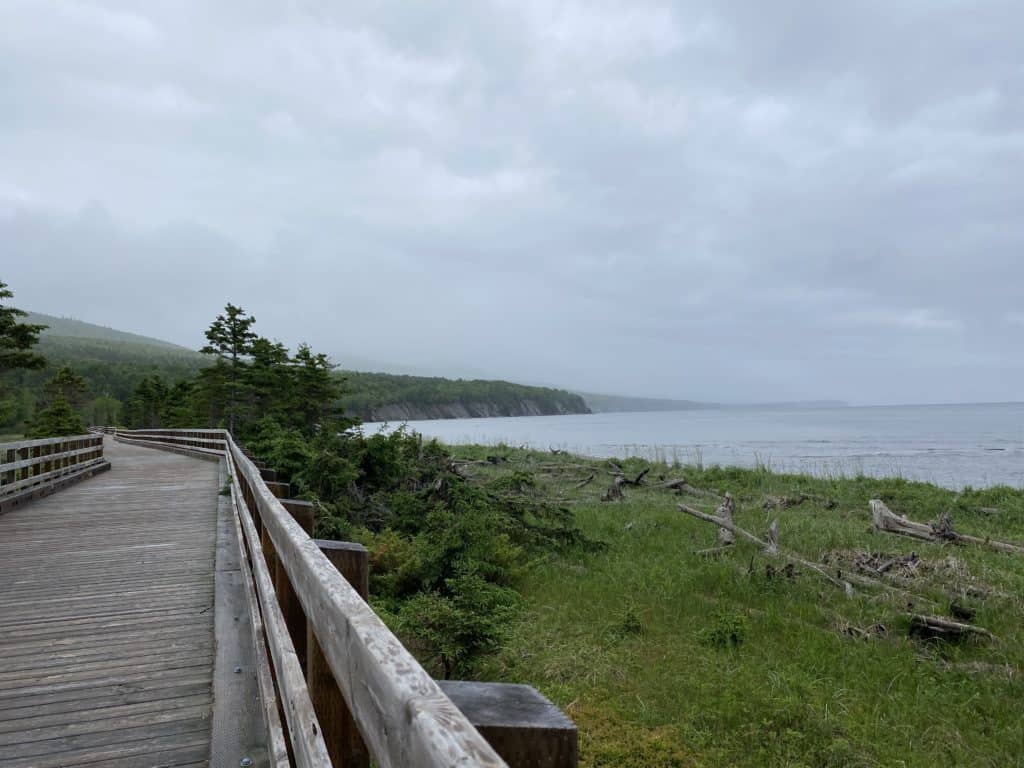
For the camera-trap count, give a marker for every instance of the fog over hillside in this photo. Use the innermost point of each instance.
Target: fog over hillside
(714, 201)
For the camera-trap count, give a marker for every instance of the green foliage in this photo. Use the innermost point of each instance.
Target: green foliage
(725, 629)
(231, 339)
(55, 420)
(17, 338)
(372, 396)
(16, 342)
(454, 627)
(627, 624)
(287, 450)
(803, 687)
(445, 552)
(69, 384)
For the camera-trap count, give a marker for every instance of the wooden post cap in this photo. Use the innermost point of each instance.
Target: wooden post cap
(522, 726)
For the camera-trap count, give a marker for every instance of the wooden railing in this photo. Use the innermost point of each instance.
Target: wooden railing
(332, 668)
(33, 468)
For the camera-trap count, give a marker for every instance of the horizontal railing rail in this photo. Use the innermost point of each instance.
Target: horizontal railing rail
(30, 468)
(314, 622)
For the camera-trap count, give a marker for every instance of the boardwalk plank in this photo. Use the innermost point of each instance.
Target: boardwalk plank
(106, 617)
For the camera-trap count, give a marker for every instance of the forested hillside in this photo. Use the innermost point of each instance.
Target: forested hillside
(116, 367)
(78, 329)
(112, 365)
(390, 397)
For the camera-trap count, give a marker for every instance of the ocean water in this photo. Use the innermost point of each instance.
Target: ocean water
(950, 445)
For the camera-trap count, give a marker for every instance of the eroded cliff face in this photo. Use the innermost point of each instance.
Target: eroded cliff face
(466, 410)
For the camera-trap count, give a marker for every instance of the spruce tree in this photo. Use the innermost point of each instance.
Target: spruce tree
(67, 383)
(16, 342)
(58, 419)
(17, 338)
(316, 390)
(230, 338)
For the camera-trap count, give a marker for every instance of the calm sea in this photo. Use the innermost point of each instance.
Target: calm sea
(951, 445)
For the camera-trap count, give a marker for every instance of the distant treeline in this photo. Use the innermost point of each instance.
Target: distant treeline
(112, 372)
(383, 396)
(121, 371)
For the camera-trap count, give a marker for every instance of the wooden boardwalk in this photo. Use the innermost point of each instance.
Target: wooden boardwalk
(107, 617)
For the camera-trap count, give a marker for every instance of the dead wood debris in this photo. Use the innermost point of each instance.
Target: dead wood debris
(680, 486)
(873, 632)
(925, 627)
(722, 522)
(884, 519)
(586, 482)
(786, 502)
(614, 492)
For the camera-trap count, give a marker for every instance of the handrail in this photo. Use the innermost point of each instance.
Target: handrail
(402, 714)
(30, 468)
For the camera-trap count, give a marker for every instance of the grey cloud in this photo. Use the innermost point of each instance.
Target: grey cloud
(727, 201)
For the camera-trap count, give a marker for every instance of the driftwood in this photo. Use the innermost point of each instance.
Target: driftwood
(681, 486)
(939, 628)
(773, 538)
(721, 522)
(902, 571)
(614, 493)
(785, 502)
(726, 537)
(884, 519)
(586, 482)
(621, 479)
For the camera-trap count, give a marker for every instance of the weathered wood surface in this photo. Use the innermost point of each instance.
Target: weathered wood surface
(106, 617)
(402, 714)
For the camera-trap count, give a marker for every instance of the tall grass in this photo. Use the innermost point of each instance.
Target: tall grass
(668, 658)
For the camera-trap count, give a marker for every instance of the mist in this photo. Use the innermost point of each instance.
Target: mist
(713, 201)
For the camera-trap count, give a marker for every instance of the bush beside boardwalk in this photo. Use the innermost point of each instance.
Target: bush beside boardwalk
(665, 657)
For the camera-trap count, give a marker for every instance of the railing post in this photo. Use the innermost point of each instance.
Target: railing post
(291, 607)
(344, 744)
(520, 724)
(280, 490)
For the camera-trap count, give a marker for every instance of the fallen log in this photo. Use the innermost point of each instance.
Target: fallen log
(621, 479)
(884, 519)
(784, 502)
(939, 628)
(586, 482)
(722, 522)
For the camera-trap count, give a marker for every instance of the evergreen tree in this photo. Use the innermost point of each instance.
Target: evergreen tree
(69, 384)
(210, 395)
(269, 380)
(145, 407)
(16, 338)
(316, 390)
(104, 411)
(16, 342)
(56, 420)
(179, 406)
(230, 338)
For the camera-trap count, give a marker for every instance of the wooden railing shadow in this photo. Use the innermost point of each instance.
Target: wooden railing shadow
(338, 687)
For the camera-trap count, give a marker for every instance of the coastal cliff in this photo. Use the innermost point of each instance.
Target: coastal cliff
(391, 397)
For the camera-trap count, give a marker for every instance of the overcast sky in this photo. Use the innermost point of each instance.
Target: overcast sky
(722, 200)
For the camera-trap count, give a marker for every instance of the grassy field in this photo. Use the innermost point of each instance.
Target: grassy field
(665, 657)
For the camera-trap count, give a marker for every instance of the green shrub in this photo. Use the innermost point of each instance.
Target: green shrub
(727, 629)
